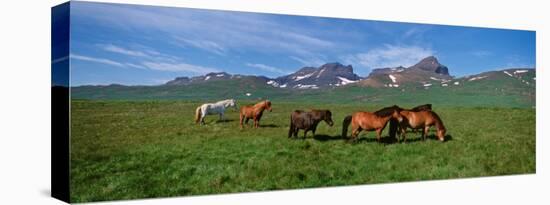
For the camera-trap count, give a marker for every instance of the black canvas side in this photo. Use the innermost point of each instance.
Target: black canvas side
(60, 143)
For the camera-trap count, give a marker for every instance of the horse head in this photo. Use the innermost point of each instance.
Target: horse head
(441, 134)
(397, 113)
(267, 105)
(328, 118)
(232, 103)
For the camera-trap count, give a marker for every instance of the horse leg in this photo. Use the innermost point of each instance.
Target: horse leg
(257, 119)
(378, 133)
(355, 133)
(403, 132)
(425, 132)
(241, 119)
(203, 114)
(305, 133)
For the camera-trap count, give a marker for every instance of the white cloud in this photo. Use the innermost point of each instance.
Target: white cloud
(206, 45)
(117, 49)
(389, 56)
(97, 60)
(214, 31)
(179, 67)
(310, 61)
(135, 65)
(267, 68)
(158, 66)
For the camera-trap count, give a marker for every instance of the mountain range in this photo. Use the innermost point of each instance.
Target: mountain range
(327, 75)
(425, 73)
(427, 80)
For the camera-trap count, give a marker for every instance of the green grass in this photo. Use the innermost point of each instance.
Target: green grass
(140, 149)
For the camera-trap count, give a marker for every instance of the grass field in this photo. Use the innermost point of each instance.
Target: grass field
(140, 149)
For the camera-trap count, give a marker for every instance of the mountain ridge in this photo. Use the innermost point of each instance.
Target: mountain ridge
(336, 74)
(428, 73)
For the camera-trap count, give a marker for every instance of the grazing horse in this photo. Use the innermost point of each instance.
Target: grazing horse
(421, 119)
(421, 108)
(212, 109)
(370, 121)
(254, 112)
(394, 125)
(308, 121)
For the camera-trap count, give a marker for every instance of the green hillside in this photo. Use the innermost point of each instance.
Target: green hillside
(496, 89)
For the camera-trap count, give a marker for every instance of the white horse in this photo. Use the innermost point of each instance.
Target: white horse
(212, 109)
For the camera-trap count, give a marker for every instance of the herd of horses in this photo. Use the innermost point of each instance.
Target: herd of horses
(400, 119)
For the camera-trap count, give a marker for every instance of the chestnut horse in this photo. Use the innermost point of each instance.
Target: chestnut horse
(421, 119)
(370, 121)
(394, 125)
(254, 112)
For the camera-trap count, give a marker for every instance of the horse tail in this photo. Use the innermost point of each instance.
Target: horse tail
(291, 129)
(198, 114)
(347, 121)
(393, 127)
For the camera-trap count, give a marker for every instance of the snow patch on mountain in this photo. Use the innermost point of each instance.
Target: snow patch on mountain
(393, 79)
(321, 72)
(273, 83)
(298, 78)
(520, 71)
(345, 81)
(300, 86)
(477, 78)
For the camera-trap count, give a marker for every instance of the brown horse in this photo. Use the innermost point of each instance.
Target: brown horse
(308, 121)
(370, 121)
(254, 112)
(394, 125)
(421, 119)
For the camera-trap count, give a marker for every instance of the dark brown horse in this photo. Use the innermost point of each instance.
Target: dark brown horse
(308, 121)
(254, 112)
(394, 125)
(370, 121)
(421, 120)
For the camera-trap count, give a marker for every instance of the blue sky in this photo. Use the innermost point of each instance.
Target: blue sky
(145, 45)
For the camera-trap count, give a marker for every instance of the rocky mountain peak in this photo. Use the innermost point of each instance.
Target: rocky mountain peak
(431, 64)
(327, 75)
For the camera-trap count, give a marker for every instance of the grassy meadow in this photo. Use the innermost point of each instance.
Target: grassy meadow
(140, 149)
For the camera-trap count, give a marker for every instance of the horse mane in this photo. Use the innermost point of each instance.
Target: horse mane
(266, 102)
(224, 101)
(319, 113)
(438, 121)
(387, 111)
(421, 108)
